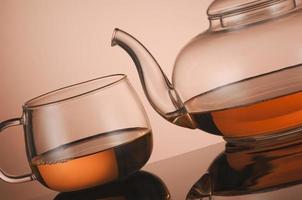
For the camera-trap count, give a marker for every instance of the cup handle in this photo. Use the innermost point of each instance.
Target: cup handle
(7, 177)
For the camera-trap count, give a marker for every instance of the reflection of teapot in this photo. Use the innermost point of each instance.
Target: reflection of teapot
(267, 167)
(240, 79)
(141, 185)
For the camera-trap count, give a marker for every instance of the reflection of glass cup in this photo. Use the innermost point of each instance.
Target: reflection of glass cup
(84, 135)
(141, 185)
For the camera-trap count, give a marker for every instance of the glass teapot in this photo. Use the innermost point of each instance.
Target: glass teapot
(241, 78)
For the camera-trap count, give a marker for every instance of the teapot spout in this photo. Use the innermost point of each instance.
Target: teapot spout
(158, 89)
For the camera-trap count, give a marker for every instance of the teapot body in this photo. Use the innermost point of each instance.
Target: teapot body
(243, 81)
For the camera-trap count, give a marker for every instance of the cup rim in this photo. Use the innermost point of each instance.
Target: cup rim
(51, 102)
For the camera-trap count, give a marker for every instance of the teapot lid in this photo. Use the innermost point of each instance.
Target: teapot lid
(239, 12)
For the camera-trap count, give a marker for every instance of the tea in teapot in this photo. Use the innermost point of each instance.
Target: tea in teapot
(266, 104)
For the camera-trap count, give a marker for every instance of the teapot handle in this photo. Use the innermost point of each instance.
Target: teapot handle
(7, 177)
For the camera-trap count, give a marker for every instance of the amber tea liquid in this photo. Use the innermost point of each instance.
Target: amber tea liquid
(78, 165)
(266, 104)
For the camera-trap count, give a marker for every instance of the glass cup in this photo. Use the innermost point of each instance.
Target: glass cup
(84, 135)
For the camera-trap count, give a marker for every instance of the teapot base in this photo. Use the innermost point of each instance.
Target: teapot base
(260, 142)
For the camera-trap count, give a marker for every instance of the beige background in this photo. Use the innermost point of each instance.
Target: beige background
(48, 44)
